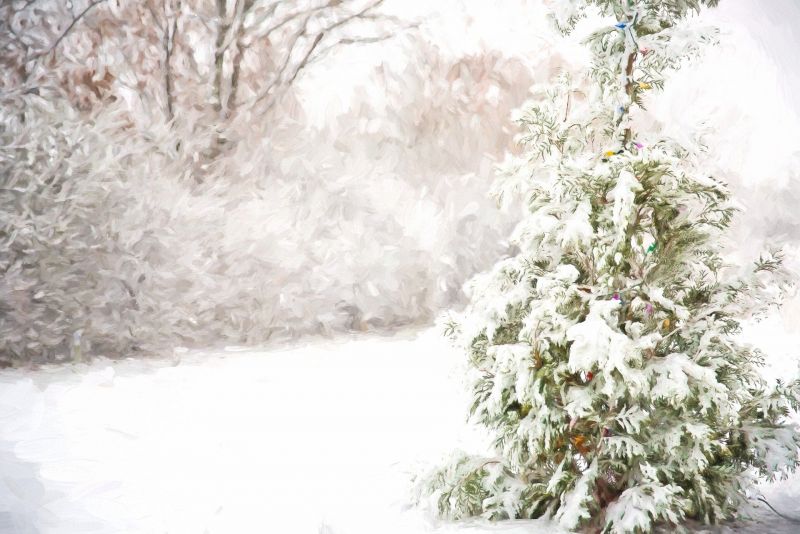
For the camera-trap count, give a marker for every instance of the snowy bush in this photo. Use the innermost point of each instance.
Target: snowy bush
(138, 215)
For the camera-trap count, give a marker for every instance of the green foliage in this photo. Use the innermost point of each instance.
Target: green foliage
(602, 357)
(655, 14)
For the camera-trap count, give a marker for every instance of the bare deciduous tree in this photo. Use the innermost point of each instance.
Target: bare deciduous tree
(259, 48)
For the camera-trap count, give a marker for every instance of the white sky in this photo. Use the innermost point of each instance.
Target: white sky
(760, 56)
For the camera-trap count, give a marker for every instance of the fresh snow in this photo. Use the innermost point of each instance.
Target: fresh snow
(321, 438)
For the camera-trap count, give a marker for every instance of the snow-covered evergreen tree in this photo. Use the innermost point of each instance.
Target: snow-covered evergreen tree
(603, 355)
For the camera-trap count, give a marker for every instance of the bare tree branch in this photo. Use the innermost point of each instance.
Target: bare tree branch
(237, 69)
(247, 5)
(235, 24)
(366, 39)
(168, 31)
(219, 54)
(169, 46)
(304, 61)
(294, 39)
(282, 82)
(358, 15)
(66, 32)
(152, 10)
(352, 40)
(286, 20)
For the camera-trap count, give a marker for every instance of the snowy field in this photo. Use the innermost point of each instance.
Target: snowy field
(320, 438)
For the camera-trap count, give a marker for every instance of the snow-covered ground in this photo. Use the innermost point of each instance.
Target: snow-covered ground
(320, 438)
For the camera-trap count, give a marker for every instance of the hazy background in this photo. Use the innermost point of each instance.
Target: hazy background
(355, 201)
